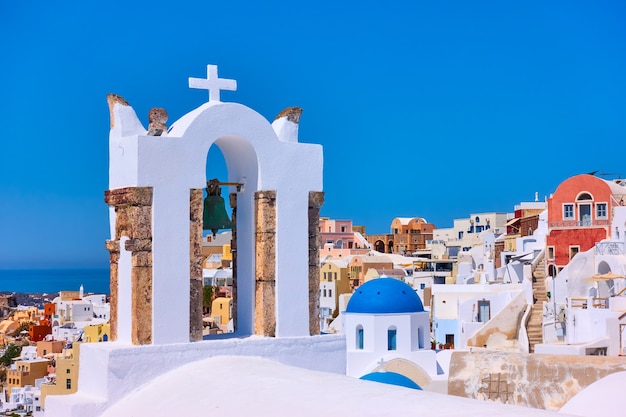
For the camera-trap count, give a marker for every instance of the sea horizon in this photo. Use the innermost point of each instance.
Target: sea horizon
(53, 280)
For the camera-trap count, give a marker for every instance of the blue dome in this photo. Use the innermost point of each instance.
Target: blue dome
(384, 295)
(391, 378)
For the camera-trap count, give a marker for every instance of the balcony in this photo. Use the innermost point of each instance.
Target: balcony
(610, 248)
(576, 224)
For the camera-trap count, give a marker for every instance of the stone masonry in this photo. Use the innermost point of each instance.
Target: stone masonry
(316, 199)
(133, 209)
(195, 264)
(265, 275)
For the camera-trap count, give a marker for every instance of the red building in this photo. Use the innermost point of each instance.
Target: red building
(579, 216)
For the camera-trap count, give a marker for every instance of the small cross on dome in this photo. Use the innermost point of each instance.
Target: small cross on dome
(213, 83)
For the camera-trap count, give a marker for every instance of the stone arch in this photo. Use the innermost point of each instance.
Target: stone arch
(379, 246)
(168, 170)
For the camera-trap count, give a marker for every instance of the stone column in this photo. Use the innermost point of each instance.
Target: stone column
(316, 199)
(233, 251)
(195, 265)
(133, 208)
(113, 246)
(265, 240)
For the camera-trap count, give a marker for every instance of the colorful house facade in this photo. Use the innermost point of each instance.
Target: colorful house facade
(579, 215)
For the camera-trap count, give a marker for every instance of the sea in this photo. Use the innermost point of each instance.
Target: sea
(39, 281)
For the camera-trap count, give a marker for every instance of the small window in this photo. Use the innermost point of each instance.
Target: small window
(343, 229)
(422, 286)
(68, 383)
(568, 211)
(391, 338)
(330, 292)
(601, 211)
(359, 337)
(573, 250)
(324, 292)
(550, 252)
(477, 219)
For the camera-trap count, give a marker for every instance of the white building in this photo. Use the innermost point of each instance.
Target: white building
(26, 399)
(585, 312)
(465, 233)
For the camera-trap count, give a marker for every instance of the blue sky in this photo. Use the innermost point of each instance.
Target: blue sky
(434, 109)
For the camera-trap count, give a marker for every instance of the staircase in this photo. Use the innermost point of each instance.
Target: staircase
(535, 323)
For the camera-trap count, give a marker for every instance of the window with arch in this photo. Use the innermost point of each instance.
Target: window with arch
(391, 338)
(359, 337)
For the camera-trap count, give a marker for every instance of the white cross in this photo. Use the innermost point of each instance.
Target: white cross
(213, 83)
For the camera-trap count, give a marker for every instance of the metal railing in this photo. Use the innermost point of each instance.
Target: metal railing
(610, 248)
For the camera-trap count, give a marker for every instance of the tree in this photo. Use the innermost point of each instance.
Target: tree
(12, 351)
(207, 297)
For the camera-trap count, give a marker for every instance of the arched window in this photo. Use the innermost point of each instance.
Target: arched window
(391, 338)
(359, 337)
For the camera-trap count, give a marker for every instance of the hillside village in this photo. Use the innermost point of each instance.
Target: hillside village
(510, 308)
(549, 277)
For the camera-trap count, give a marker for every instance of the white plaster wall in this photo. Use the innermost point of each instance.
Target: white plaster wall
(586, 325)
(109, 371)
(175, 163)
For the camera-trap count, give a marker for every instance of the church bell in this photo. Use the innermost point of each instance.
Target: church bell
(214, 216)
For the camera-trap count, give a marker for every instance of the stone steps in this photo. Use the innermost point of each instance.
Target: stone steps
(534, 328)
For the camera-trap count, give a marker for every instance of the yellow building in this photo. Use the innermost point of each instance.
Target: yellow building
(97, 333)
(336, 272)
(222, 307)
(25, 373)
(66, 381)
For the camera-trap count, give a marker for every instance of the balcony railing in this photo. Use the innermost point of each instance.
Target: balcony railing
(572, 224)
(610, 248)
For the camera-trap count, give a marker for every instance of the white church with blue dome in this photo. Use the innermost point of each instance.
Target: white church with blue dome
(387, 330)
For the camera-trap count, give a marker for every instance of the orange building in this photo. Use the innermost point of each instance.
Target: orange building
(359, 265)
(579, 215)
(407, 235)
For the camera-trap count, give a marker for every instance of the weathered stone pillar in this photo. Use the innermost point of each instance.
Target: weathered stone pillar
(133, 209)
(316, 199)
(195, 265)
(113, 246)
(265, 240)
(233, 251)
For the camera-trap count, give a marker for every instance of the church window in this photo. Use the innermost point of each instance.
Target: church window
(330, 292)
(359, 337)
(324, 292)
(391, 338)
